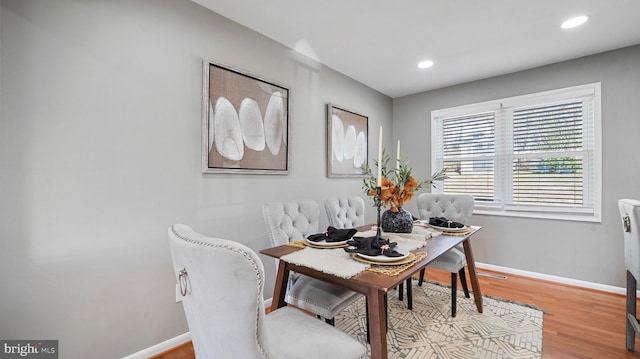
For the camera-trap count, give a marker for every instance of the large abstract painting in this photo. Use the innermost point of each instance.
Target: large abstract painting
(347, 137)
(245, 123)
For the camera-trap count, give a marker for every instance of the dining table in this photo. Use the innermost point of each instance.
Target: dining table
(375, 285)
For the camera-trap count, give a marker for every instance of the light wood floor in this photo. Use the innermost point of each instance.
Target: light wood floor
(581, 323)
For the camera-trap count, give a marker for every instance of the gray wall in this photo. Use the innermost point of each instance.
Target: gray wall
(578, 250)
(100, 153)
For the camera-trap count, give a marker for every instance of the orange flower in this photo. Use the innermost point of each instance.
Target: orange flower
(395, 195)
(397, 186)
(411, 183)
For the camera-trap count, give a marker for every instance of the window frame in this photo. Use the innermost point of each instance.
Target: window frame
(502, 177)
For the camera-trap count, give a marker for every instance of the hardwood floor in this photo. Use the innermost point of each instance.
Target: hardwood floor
(581, 323)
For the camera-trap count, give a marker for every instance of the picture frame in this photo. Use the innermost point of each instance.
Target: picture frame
(347, 142)
(245, 122)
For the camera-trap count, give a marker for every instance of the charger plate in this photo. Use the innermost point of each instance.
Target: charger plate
(450, 229)
(325, 244)
(405, 260)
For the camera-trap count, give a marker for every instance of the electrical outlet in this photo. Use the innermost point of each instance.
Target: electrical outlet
(178, 294)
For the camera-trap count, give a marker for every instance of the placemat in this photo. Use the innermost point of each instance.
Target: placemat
(298, 244)
(462, 233)
(395, 270)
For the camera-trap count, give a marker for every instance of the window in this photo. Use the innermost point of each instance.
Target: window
(535, 155)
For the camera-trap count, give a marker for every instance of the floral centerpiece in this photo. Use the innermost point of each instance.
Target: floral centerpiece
(397, 188)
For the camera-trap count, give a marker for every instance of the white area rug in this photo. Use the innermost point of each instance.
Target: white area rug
(505, 330)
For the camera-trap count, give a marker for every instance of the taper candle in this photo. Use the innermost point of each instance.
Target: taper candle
(398, 157)
(380, 158)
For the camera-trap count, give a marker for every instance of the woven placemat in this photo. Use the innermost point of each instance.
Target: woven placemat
(462, 233)
(395, 270)
(298, 244)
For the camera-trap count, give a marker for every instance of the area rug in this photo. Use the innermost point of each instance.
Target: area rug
(505, 329)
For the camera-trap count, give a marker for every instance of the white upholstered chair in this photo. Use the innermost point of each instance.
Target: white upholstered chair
(295, 220)
(457, 208)
(345, 212)
(630, 215)
(237, 327)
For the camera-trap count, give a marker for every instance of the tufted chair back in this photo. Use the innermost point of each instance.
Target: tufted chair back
(345, 212)
(457, 208)
(630, 216)
(220, 327)
(287, 221)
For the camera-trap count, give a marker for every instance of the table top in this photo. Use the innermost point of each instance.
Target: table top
(366, 280)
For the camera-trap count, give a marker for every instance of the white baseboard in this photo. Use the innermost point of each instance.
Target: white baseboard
(173, 342)
(160, 347)
(553, 278)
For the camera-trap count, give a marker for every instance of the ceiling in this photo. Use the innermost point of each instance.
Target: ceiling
(379, 43)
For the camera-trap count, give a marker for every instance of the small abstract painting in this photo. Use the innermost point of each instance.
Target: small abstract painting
(245, 123)
(347, 138)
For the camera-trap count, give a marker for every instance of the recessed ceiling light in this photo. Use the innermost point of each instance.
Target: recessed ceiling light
(425, 64)
(574, 22)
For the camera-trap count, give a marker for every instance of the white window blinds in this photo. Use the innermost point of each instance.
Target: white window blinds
(524, 155)
(468, 154)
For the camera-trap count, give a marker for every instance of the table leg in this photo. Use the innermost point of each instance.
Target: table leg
(473, 276)
(280, 287)
(377, 323)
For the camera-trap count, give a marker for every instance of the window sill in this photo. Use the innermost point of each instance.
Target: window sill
(544, 215)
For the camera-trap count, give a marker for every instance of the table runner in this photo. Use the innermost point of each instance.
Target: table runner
(337, 262)
(406, 241)
(332, 261)
(418, 232)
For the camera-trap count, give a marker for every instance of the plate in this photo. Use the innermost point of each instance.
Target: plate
(410, 258)
(421, 223)
(325, 244)
(450, 230)
(382, 259)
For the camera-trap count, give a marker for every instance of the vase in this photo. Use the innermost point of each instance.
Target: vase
(397, 222)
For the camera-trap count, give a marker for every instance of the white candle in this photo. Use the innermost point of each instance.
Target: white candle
(398, 158)
(380, 158)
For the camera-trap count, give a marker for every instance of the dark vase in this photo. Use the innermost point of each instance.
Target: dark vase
(396, 222)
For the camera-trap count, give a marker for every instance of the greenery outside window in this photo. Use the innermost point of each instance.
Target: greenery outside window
(536, 155)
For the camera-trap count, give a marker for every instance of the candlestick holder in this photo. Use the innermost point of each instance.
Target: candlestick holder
(379, 205)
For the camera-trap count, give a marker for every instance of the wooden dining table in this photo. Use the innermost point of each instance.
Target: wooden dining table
(376, 285)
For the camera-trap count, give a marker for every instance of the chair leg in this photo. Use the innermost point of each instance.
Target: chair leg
(632, 322)
(421, 279)
(454, 289)
(366, 312)
(409, 294)
(401, 292)
(463, 281)
(331, 321)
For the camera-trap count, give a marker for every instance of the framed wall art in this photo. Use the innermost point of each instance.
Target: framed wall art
(347, 139)
(245, 122)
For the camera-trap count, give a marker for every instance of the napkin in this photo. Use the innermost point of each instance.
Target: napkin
(333, 234)
(372, 246)
(445, 223)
